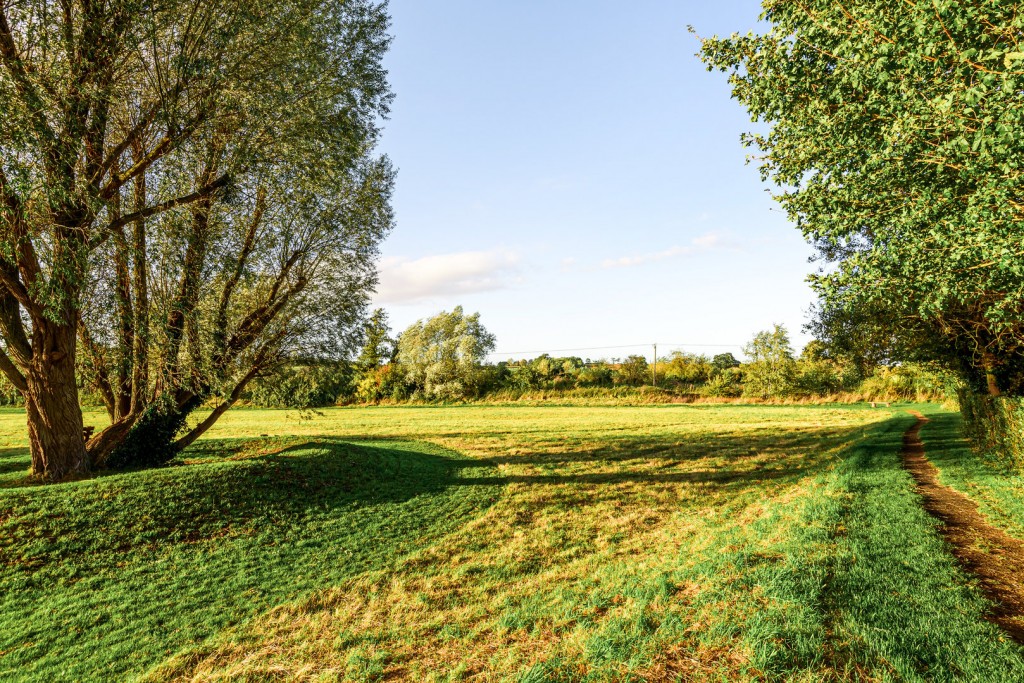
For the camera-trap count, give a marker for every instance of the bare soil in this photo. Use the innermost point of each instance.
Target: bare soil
(989, 553)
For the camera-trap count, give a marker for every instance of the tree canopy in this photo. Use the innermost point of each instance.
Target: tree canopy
(771, 367)
(189, 196)
(442, 355)
(893, 134)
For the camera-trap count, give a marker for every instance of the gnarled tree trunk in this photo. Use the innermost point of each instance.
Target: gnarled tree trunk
(51, 401)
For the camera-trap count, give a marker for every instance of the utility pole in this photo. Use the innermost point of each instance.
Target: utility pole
(654, 368)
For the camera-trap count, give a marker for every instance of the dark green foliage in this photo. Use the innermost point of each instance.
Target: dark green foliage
(150, 441)
(311, 384)
(724, 361)
(379, 347)
(893, 134)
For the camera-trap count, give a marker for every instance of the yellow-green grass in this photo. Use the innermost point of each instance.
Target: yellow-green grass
(495, 543)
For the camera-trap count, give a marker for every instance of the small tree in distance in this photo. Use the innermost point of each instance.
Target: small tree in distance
(771, 366)
(724, 361)
(634, 371)
(442, 356)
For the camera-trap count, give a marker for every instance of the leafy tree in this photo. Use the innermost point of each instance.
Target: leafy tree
(382, 383)
(596, 374)
(188, 198)
(442, 356)
(893, 135)
(723, 361)
(688, 368)
(770, 368)
(634, 371)
(379, 348)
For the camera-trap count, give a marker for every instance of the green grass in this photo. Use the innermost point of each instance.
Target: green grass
(502, 543)
(998, 491)
(103, 578)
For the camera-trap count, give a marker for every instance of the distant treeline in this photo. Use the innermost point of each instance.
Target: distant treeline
(443, 359)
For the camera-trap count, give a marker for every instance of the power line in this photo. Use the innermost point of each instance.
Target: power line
(609, 348)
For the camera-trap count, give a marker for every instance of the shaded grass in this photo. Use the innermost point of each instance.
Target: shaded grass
(102, 578)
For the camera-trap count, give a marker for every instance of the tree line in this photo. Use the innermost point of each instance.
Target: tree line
(444, 358)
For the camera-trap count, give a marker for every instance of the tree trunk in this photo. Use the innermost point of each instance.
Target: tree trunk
(988, 362)
(201, 428)
(103, 444)
(54, 414)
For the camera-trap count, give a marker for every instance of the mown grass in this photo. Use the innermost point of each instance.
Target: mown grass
(497, 543)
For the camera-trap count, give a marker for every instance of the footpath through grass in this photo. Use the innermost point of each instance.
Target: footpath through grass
(497, 543)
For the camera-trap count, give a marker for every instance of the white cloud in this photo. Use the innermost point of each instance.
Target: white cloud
(404, 280)
(699, 244)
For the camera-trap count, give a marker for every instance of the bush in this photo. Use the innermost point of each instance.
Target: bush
(385, 383)
(907, 382)
(721, 386)
(303, 385)
(995, 426)
(634, 371)
(595, 375)
(150, 441)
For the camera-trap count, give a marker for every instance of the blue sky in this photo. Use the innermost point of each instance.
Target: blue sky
(571, 171)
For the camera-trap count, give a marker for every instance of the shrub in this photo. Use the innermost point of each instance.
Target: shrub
(384, 383)
(313, 384)
(995, 426)
(633, 371)
(150, 441)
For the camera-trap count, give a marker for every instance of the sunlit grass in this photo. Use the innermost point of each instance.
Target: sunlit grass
(574, 543)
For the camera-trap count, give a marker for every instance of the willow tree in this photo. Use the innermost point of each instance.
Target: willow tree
(893, 132)
(189, 195)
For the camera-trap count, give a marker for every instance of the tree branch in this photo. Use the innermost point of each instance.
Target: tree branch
(199, 194)
(11, 371)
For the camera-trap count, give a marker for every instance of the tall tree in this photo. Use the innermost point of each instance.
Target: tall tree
(188, 195)
(893, 132)
(379, 348)
(442, 355)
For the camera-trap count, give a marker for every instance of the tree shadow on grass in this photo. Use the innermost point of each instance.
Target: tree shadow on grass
(14, 460)
(113, 515)
(167, 557)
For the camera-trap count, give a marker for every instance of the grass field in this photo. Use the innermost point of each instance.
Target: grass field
(512, 543)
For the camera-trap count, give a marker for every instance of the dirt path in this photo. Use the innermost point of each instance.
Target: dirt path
(992, 555)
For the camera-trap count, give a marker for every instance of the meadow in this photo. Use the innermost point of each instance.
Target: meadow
(506, 543)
